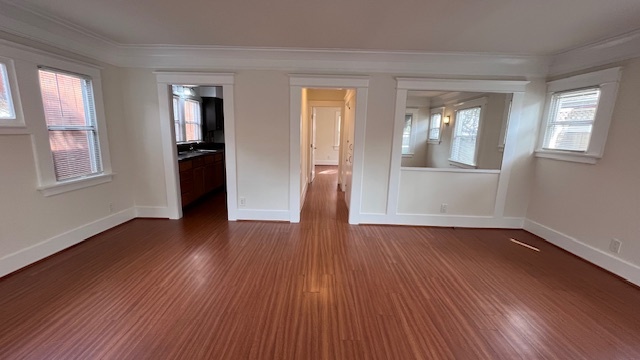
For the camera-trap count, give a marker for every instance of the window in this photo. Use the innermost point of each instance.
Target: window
(465, 136)
(71, 122)
(192, 120)
(7, 111)
(187, 119)
(577, 118)
(408, 133)
(571, 120)
(435, 126)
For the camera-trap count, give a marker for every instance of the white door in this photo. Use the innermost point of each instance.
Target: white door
(312, 152)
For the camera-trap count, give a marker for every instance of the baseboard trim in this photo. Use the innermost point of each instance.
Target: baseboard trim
(622, 268)
(326, 162)
(263, 215)
(152, 212)
(30, 255)
(469, 221)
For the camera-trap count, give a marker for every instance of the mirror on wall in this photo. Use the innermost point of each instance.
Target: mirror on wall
(456, 130)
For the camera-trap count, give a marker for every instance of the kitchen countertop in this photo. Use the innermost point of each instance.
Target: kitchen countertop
(184, 155)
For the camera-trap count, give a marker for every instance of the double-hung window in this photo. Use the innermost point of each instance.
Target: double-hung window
(577, 118)
(435, 125)
(70, 116)
(464, 140)
(187, 119)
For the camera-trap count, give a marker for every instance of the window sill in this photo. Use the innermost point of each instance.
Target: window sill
(63, 187)
(410, 155)
(433, 142)
(570, 157)
(461, 165)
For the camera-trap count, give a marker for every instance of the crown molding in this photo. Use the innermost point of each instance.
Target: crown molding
(612, 50)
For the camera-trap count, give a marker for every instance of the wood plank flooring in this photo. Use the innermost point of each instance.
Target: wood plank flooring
(205, 288)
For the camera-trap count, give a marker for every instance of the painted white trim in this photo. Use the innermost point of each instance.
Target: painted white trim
(296, 83)
(620, 267)
(169, 151)
(76, 184)
(303, 197)
(161, 212)
(607, 80)
(615, 49)
(326, 162)
(452, 170)
(467, 221)
(406, 84)
(17, 260)
(426, 84)
(263, 215)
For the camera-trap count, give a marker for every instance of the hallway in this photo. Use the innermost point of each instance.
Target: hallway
(205, 288)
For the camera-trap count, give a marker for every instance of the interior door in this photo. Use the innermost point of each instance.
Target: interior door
(312, 152)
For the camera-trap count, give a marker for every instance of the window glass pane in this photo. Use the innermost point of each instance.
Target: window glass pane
(192, 121)
(406, 134)
(571, 120)
(70, 116)
(434, 126)
(7, 111)
(465, 136)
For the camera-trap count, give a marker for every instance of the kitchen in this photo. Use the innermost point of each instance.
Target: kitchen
(199, 136)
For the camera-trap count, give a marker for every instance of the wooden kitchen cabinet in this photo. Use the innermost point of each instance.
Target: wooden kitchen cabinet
(200, 175)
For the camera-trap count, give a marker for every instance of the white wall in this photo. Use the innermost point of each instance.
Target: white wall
(464, 193)
(326, 153)
(584, 206)
(33, 226)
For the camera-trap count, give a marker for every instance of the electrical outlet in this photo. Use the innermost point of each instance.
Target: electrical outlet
(614, 246)
(110, 208)
(443, 208)
(243, 201)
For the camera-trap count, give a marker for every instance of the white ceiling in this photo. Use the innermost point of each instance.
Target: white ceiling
(535, 27)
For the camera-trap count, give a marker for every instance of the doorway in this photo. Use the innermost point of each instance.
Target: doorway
(170, 129)
(349, 94)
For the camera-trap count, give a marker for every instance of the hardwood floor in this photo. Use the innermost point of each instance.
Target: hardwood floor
(205, 288)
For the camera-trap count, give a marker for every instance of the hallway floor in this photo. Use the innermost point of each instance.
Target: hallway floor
(205, 288)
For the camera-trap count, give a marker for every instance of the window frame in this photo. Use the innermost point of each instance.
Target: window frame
(433, 111)
(90, 123)
(17, 124)
(48, 185)
(607, 81)
(198, 108)
(181, 136)
(412, 134)
(470, 104)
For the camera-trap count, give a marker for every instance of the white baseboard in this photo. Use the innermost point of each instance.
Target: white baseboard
(469, 221)
(264, 215)
(27, 256)
(152, 212)
(622, 268)
(326, 162)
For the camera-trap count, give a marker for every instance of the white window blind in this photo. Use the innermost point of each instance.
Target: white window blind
(434, 127)
(465, 136)
(71, 120)
(571, 118)
(192, 120)
(7, 111)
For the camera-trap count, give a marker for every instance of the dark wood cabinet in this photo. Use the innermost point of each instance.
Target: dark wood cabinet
(213, 113)
(201, 175)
